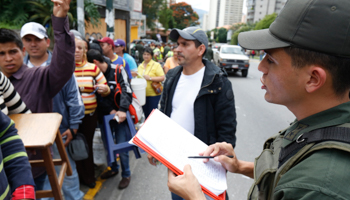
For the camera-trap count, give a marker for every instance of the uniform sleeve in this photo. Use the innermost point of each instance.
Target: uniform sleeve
(12, 99)
(225, 114)
(322, 175)
(74, 103)
(15, 159)
(100, 79)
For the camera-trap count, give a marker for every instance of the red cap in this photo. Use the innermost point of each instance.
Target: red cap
(107, 40)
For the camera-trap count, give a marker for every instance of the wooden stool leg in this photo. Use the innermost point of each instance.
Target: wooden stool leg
(50, 169)
(63, 153)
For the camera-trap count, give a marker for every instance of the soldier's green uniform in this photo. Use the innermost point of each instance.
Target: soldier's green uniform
(321, 170)
(209, 54)
(166, 50)
(140, 49)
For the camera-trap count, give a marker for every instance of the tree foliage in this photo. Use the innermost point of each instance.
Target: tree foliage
(222, 35)
(265, 22)
(243, 28)
(166, 16)
(23, 11)
(184, 15)
(150, 8)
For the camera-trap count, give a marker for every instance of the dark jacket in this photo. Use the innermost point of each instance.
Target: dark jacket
(107, 104)
(214, 107)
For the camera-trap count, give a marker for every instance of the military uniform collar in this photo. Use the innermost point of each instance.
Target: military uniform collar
(332, 117)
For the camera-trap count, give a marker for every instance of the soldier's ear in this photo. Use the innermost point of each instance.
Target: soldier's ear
(201, 50)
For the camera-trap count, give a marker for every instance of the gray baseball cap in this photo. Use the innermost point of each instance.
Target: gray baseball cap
(191, 33)
(318, 25)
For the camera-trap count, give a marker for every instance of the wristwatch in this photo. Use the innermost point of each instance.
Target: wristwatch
(150, 78)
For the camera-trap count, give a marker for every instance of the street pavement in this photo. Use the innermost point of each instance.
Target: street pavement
(257, 121)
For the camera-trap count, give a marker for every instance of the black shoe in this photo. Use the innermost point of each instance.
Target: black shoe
(90, 185)
(108, 174)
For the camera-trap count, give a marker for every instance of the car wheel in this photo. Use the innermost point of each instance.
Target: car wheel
(245, 73)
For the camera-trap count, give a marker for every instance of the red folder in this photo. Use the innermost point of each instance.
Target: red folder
(165, 162)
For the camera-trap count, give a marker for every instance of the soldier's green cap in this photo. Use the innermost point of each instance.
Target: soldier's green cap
(318, 25)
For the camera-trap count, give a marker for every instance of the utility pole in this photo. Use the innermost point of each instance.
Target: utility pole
(80, 13)
(110, 19)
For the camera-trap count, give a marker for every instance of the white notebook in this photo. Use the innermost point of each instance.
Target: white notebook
(173, 143)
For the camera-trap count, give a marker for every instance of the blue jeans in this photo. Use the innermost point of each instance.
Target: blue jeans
(71, 185)
(119, 134)
(176, 197)
(39, 181)
(151, 103)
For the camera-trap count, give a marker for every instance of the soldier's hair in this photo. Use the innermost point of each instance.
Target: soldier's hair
(338, 67)
(7, 35)
(94, 54)
(197, 43)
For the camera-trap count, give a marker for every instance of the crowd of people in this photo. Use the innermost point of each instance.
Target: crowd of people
(307, 160)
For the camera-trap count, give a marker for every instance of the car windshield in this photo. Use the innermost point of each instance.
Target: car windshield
(231, 50)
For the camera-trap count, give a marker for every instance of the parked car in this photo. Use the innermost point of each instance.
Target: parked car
(232, 59)
(216, 46)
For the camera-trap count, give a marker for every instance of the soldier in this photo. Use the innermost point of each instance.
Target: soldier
(306, 69)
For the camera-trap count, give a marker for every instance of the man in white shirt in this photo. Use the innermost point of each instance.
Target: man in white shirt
(197, 94)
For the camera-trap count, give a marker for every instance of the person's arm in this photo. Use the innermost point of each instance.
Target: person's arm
(14, 157)
(75, 107)
(12, 99)
(63, 62)
(225, 114)
(127, 69)
(166, 66)
(126, 95)
(101, 82)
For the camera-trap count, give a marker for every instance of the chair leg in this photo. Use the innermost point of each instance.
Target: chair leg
(63, 153)
(50, 169)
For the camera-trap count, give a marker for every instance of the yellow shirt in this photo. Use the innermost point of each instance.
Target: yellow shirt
(153, 69)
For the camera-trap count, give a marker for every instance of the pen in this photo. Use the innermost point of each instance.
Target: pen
(206, 157)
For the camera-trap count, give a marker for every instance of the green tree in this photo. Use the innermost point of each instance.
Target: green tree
(150, 8)
(222, 35)
(243, 28)
(184, 15)
(23, 11)
(166, 16)
(266, 21)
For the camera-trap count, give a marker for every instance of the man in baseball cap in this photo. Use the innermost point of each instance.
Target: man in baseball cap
(306, 69)
(107, 46)
(190, 87)
(36, 42)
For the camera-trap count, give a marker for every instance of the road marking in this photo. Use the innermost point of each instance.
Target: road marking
(91, 193)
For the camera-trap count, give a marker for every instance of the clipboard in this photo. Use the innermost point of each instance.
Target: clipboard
(137, 141)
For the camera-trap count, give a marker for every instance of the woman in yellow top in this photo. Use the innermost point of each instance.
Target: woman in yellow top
(151, 71)
(171, 62)
(89, 78)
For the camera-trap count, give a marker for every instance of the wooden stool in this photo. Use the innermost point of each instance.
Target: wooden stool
(38, 132)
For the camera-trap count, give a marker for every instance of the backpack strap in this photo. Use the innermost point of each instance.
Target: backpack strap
(340, 134)
(118, 89)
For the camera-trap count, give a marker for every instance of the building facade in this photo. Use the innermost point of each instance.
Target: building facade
(223, 12)
(258, 9)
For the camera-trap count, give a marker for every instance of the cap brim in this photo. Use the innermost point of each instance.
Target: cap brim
(175, 33)
(38, 35)
(260, 40)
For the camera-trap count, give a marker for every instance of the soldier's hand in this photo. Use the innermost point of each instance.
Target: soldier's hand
(60, 7)
(221, 150)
